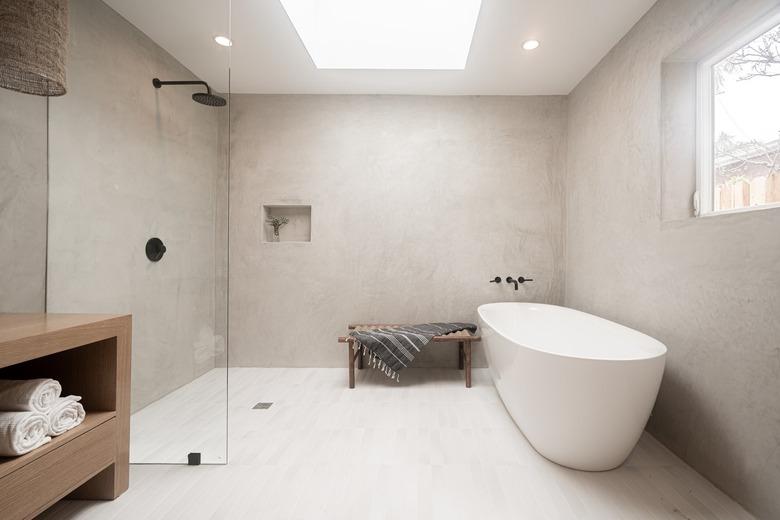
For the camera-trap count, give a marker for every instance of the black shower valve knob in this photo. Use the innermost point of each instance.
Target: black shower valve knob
(155, 249)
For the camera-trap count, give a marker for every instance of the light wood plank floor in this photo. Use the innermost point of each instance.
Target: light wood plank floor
(426, 448)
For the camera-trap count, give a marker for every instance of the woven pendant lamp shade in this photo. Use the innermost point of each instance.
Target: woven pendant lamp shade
(33, 44)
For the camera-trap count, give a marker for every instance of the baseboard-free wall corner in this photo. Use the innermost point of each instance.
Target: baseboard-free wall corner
(298, 227)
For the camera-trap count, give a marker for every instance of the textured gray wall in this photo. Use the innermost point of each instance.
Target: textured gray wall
(709, 288)
(129, 162)
(22, 202)
(416, 203)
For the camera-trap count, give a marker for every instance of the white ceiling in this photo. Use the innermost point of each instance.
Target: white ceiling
(268, 57)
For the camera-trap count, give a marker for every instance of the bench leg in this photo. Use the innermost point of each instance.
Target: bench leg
(467, 352)
(351, 364)
(360, 359)
(460, 355)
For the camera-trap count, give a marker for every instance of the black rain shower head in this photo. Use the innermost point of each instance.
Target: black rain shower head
(204, 98)
(209, 99)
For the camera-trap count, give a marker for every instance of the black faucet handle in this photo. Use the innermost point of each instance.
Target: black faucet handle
(521, 279)
(497, 279)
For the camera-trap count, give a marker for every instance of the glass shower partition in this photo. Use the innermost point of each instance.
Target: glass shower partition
(137, 218)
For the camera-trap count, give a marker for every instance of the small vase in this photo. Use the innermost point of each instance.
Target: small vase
(275, 237)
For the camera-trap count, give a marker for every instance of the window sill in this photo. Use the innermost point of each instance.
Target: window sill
(739, 210)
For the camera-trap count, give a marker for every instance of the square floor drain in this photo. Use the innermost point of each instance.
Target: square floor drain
(262, 406)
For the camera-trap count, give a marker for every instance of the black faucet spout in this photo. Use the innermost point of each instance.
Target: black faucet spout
(509, 279)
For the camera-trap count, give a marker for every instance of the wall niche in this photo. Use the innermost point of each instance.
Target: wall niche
(298, 226)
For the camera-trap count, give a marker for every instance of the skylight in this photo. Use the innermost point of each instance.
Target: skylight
(385, 34)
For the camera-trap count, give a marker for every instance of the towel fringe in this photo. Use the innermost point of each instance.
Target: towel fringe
(376, 362)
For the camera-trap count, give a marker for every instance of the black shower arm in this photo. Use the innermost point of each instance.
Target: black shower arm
(157, 83)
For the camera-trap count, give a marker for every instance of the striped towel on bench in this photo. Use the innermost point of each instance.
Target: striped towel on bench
(392, 349)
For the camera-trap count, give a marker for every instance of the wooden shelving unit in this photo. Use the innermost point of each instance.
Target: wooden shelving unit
(90, 356)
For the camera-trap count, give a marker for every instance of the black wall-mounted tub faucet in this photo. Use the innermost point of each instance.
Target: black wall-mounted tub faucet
(509, 279)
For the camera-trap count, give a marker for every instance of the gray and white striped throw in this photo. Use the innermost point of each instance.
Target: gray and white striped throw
(392, 349)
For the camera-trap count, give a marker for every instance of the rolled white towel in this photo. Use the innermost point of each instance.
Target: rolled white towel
(21, 432)
(28, 395)
(66, 414)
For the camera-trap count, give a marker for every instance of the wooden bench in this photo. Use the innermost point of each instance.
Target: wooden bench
(463, 337)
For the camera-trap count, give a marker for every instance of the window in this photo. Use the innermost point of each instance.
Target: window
(382, 34)
(738, 127)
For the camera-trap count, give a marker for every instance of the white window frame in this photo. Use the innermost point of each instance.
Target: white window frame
(704, 198)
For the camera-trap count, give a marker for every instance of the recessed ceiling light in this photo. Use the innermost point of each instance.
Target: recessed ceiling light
(382, 34)
(530, 45)
(223, 40)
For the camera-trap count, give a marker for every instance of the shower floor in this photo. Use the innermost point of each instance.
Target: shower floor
(424, 448)
(192, 418)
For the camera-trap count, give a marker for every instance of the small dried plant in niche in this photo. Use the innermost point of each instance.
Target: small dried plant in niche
(277, 223)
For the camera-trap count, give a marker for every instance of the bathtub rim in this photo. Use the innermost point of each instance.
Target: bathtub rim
(664, 349)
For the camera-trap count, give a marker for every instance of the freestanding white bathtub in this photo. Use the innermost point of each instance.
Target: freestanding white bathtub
(580, 387)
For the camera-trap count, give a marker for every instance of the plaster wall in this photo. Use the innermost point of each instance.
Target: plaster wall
(129, 162)
(22, 202)
(416, 202)
(709, 288)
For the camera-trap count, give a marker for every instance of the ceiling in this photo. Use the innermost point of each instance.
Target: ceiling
(268, 57)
